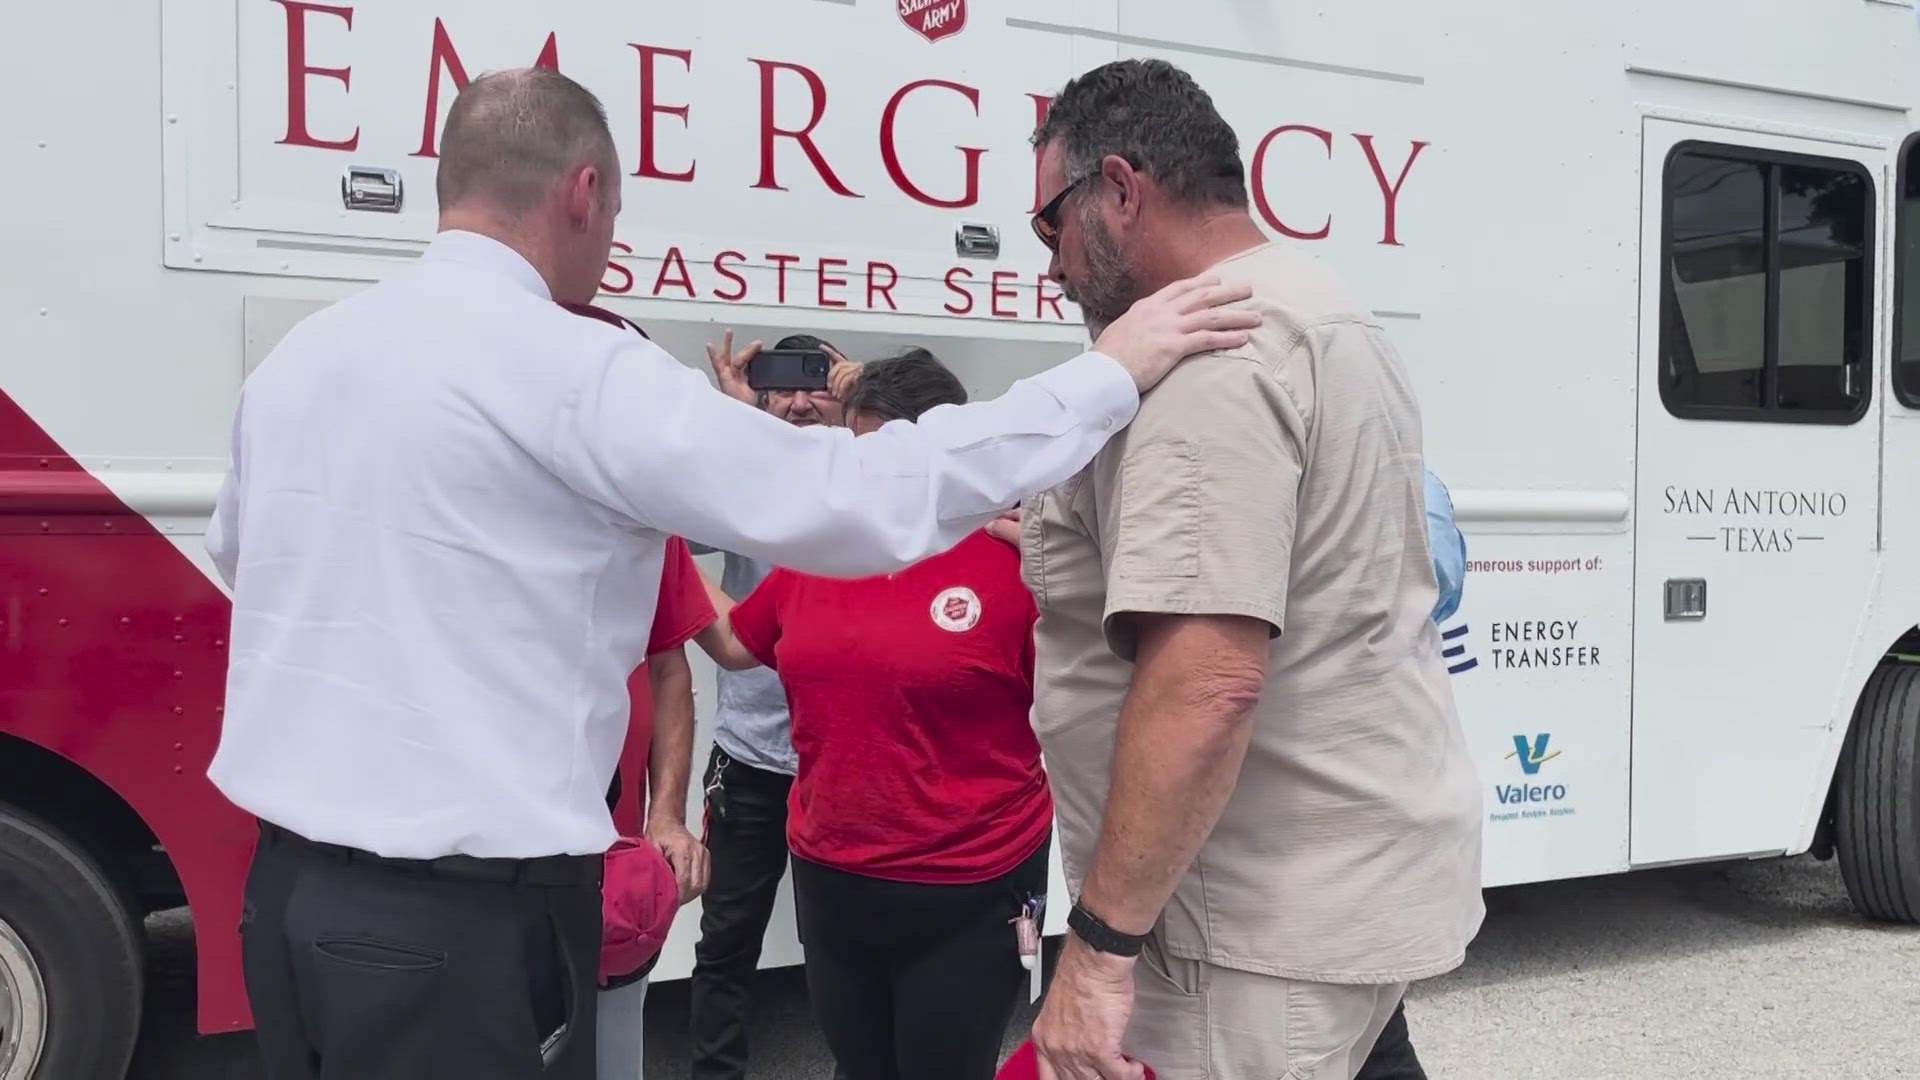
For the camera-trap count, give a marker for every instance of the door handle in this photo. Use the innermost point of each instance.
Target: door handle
(1686, 599)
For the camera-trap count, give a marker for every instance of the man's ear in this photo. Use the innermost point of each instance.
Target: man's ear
(1129, 185)
(582, 194)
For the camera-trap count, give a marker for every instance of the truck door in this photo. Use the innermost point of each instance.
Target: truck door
(1757, 483)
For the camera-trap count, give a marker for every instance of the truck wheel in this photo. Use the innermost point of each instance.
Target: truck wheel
(1877, 808)
(70, 959)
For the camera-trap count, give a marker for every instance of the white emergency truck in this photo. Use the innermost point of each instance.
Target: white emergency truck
(1648, 263)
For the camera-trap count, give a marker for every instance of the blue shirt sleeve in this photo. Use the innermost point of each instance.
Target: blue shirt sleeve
(1448, 546)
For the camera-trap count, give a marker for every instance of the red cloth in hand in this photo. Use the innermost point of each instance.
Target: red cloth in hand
(1025, 1065)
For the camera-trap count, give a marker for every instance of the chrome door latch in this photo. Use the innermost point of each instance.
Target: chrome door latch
(366, 187)
(1686, 599)
(975, 241)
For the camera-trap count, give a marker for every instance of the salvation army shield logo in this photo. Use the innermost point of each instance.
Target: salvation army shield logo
(934, 19)
(957, 609)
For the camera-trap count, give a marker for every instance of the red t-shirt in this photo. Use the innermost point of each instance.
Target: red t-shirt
(681, 613)
(910, 695)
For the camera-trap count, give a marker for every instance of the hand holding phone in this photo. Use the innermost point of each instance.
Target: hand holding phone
(730, 366)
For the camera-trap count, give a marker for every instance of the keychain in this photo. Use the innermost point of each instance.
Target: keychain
(1026, 934)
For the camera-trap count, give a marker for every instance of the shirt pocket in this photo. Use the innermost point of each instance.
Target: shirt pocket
(1154, 530)
(1045, 522)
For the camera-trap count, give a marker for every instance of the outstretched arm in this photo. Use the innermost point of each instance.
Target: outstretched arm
(719, 641)
(651, 441)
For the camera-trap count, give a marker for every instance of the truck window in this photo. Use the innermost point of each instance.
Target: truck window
(1906, 356)
(1767, 291)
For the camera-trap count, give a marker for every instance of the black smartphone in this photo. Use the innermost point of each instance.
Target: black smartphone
(788, 369)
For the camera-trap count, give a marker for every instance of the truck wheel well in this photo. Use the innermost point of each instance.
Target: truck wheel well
(1905, 649)
(62, 793)
(1907, 646)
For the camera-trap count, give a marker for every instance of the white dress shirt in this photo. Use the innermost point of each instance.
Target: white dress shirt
(444, 528)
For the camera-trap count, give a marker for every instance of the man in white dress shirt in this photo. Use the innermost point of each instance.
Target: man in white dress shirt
(443, 528)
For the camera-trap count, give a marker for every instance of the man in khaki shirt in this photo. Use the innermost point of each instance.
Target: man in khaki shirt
(1264, 796)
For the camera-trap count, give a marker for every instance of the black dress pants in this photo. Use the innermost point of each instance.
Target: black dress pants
(362, 968)
(1393, 1057)
(746, 836)
(912, 981)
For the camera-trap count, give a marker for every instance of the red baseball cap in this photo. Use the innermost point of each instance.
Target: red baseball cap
(639, 899)
(1025, 1065)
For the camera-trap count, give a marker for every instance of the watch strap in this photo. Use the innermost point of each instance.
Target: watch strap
(1101, 937)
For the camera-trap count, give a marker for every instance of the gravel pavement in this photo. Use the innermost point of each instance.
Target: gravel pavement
(1750, 970)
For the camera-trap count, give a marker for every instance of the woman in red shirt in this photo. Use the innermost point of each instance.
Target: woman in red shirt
(920, 817)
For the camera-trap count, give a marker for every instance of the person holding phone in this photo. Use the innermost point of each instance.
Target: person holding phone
(749, 772)
(920, 816)
(794, 380)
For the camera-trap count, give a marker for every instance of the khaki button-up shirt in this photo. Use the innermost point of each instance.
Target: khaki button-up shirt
(1280, 482)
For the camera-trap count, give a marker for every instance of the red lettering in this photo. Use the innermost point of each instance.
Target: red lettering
(445, 60)
(1042, 299)
(1041, 103)
(1389, 193)
(1260, 181)
(683, 280)
(820, 291)
(964, 294)
(803, 136)
(997, 292)
(738, 281)
(890, 157)
(298, 71)
(874, 288)
(783, 261)
(649, 167)
(616, 268)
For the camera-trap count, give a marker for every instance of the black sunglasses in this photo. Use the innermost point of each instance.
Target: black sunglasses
(1046, 223)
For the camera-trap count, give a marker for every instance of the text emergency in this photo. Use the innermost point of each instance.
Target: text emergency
(779, 146)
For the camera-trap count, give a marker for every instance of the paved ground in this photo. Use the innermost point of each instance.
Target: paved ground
(1756, 970)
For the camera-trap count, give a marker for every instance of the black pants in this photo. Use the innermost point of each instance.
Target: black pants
(747, 856)
(1393, 1057)
(913, 982)
(360, 968)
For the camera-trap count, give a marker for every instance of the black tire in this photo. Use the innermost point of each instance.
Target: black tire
(84, 946)
(1876, 812)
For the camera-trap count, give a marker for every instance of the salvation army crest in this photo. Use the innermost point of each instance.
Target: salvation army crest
(934, 19)
(956, 609)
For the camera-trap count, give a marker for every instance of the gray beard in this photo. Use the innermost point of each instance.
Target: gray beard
(1107, 288)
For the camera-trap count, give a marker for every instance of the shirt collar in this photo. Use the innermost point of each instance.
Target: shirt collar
(486, 253)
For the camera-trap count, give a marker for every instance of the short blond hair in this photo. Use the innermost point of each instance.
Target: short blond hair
(511, 134)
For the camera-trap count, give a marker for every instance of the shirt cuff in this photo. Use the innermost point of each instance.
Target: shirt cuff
(1095, 389)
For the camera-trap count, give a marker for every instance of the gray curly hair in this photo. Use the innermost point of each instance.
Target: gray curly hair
(1155, 116)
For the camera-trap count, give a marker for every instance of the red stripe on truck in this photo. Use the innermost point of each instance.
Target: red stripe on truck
(113, 656)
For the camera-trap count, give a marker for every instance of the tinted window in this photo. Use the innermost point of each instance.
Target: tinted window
(1767, 296)
(1906, 366)
(1716, 334)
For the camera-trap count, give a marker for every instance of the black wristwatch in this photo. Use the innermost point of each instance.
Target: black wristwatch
(1101, 937)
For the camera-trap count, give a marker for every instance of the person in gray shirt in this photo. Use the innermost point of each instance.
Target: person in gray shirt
(748, 777)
